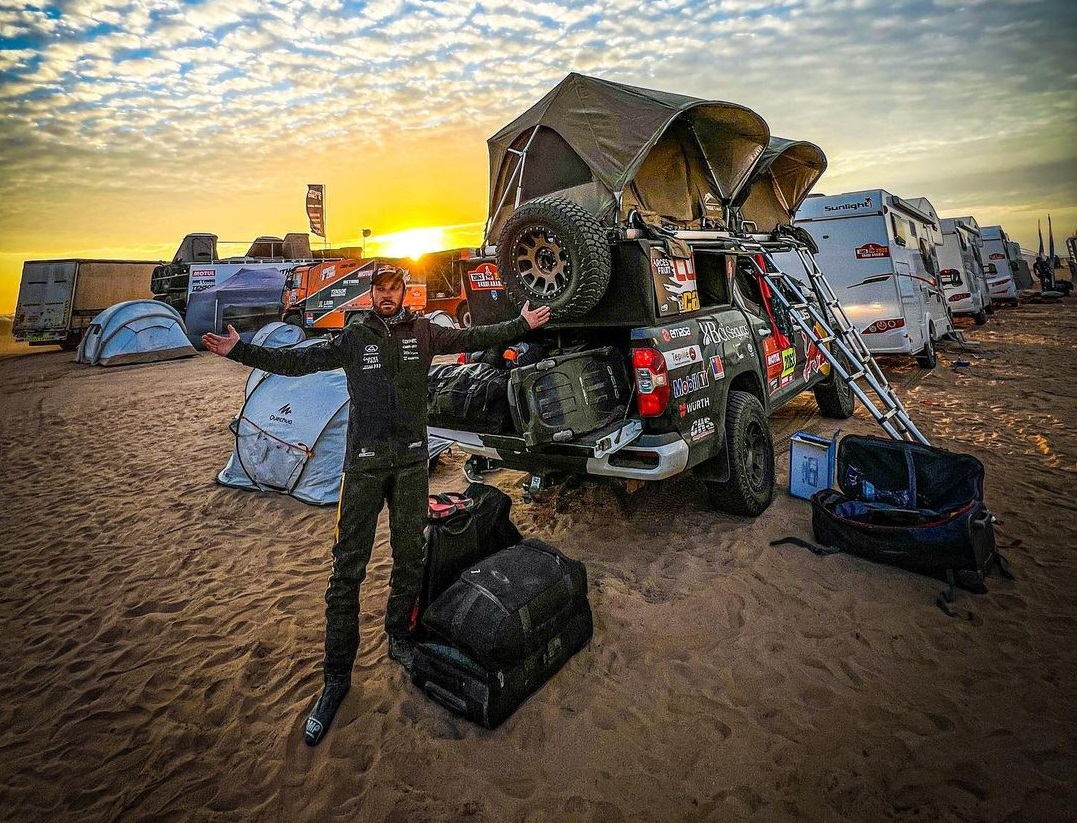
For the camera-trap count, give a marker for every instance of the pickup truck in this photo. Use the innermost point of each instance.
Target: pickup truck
(643, 219)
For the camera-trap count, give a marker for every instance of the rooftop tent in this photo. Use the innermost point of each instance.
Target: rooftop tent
(135, 331)
(291, 435)
(277, 335)
(612, 148)
(247, 300)
(780, 182)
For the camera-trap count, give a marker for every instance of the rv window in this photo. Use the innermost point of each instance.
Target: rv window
(711, 279)
(912, 229)
(899, 229)
(991, 268)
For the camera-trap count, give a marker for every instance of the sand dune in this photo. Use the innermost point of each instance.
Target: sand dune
(162, 633)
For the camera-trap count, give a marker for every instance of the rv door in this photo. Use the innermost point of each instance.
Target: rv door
(912, 305)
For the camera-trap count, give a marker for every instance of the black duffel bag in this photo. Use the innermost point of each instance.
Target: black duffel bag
(473, 395)
(509, 605)
(463, 528)
(908, 505)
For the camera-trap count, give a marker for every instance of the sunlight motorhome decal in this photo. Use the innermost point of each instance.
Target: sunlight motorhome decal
(872, 251)
(854, 205)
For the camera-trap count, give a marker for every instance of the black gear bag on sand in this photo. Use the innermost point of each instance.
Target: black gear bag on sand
(475, 394)
(916, 507)
(463, 529)
(487, 696)
(508, 606)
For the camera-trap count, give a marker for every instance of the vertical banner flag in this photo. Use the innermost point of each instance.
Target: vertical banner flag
(316, 208)
(1051, 240)
(1039, 231)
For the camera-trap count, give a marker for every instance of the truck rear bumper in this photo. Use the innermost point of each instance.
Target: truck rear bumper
(651, 457)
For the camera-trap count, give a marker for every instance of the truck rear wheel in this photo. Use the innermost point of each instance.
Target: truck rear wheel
(750, 486)
(552, 252)
(834, 396)
(980, 317)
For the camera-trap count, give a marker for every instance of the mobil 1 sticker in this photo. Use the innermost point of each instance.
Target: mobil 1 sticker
(684, 356)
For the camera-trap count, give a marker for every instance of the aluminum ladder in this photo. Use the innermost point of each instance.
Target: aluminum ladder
(859, 365)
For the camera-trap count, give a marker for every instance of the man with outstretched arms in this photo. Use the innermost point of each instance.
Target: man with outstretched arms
(385, 354)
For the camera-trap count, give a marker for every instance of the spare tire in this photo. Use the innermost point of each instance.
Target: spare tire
(552, 252)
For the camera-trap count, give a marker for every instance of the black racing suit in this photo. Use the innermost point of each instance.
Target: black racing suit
(387, 366)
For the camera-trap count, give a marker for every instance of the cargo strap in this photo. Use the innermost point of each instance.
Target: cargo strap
(840, 344)
(814, 548)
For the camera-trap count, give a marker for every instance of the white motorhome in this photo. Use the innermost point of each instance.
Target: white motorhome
(961, 268)
(937, 305)
(878, 252)
(998, 267)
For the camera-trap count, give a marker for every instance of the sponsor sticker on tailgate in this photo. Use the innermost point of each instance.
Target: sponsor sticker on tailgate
(684, 356)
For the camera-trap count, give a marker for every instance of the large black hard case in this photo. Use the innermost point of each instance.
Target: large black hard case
(908, 505)
(567, 396)
(469, 395)
(489, 695)
(508, 605)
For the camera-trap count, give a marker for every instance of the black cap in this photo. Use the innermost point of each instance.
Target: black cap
(387, 273)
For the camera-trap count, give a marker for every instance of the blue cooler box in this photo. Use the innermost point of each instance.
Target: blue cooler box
(811, 463)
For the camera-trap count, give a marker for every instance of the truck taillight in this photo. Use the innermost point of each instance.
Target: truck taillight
(879, 326)
(652, 382)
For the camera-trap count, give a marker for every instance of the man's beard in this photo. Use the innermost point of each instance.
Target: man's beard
(386, 310)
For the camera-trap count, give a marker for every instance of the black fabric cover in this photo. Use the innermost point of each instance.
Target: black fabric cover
(570, 395)
(489, 695)
(458, 542)
(508, 606)
(908, 505)
(469, 395)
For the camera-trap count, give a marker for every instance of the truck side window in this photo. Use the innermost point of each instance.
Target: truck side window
(711, 280)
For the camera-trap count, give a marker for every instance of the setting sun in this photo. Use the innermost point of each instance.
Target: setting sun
(413, 243)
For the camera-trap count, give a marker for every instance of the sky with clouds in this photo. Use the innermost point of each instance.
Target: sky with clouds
(125, 124)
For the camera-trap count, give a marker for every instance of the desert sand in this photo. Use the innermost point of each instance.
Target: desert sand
(162, 634)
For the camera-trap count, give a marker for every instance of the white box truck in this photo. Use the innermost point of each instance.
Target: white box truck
(59, 298)
(998, 266)
(962, 270)
(878, 253)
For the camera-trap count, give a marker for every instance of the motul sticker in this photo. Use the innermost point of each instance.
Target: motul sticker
(872, 251)
(485, 277)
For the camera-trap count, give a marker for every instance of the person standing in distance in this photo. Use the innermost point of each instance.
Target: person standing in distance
(385, 354)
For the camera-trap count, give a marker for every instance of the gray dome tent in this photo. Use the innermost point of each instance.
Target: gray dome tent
(135, 331)
(613, 148)
(291, 435)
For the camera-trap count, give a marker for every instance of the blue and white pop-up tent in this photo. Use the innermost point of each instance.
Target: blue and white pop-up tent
(277, 335)
(135, 331)
(291, 435)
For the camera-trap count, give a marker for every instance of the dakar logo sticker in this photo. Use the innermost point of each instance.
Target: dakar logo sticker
(872, 251)
(485, 277)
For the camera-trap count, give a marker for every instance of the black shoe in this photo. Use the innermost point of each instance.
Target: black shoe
(402, 650)
(324, 710)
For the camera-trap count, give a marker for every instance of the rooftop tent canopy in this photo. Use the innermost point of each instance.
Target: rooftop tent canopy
(611, 147)
(785, 174)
